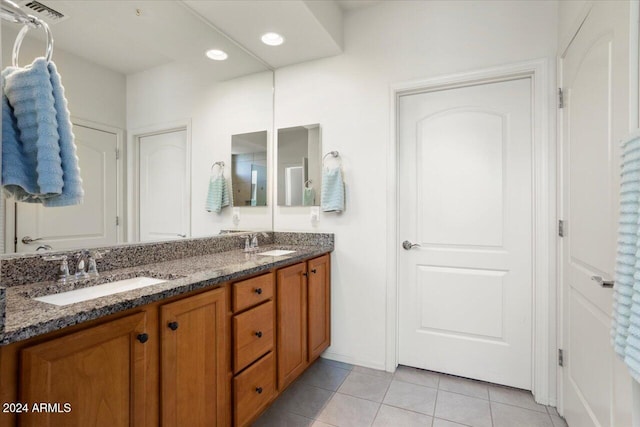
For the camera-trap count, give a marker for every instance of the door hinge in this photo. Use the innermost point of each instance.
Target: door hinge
(560, 357)
(560, 98)
(117, 153)
(561, 228)
(117, 220)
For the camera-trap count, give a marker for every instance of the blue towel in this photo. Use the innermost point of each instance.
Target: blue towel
(332, 192)
(39, 162)
(217, 195)
(625, 329)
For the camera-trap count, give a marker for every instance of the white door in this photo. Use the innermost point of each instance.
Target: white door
(465, 196)
(594, 119)
(164, 186)
(91, 224)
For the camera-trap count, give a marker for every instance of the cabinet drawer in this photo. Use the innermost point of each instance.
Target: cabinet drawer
(252, 291)
(253, 389)
(253, 333)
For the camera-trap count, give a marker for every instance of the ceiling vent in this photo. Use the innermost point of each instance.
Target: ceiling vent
(40, 10)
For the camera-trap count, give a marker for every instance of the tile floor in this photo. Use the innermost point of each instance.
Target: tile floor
(337, 394)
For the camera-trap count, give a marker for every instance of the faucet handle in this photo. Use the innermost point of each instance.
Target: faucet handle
(63, 275)
(98, 254)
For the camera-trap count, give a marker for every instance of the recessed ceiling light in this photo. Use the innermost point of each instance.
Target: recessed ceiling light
(217, 54)
(272, 39)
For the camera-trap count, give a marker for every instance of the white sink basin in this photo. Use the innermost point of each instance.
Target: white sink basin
(276, 252)
(92, 292)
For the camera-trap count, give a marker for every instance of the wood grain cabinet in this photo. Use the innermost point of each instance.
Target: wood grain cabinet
(193, 358)
(99, 372)
(303, 316)
(254, 383)
(318, 306)
(212, 358)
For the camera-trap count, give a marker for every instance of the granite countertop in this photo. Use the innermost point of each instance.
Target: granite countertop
(26, 317)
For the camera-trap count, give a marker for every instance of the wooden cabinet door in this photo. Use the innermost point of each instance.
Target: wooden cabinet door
(319, 306)
(194, 360)
(99, 372)
(291, 293)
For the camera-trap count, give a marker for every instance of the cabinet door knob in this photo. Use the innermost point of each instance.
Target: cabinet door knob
(173, 325)
(314, 271)
(143, 338)
(259, 334)
(259, 390)
(258, 291)
(305, 274)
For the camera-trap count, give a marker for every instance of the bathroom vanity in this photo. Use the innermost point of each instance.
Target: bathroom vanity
(214, 343)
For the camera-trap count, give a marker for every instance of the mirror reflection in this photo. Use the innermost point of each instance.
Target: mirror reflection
(249, 169)
(299, 166)
(151, 113)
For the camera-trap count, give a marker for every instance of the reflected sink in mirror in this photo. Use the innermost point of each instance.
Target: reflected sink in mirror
(276, 252)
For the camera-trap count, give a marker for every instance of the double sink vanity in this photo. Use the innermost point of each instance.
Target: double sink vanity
(191, 332)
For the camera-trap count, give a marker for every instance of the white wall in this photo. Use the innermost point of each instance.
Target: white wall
(94, 92)
(216, 111)
(349, 95)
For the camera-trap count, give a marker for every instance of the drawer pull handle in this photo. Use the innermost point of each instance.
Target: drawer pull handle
(259, 390)
(173, 325)
(143, 338)
(258, 291)
(259, 334)
(314, 271)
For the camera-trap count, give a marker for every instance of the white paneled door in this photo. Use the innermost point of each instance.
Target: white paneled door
(91, 224)
(164, 184)
(596, 389)
(465, 293)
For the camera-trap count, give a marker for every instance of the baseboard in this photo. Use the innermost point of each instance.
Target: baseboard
(353, 360)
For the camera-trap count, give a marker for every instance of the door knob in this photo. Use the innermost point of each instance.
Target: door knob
(604, 283)
(27, 240)
(407, 245)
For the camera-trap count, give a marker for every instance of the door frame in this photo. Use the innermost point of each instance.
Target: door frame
(10, 204)
(133, 166)
(543, 370)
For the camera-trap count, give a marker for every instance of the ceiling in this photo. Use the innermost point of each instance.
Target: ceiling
(129, 36)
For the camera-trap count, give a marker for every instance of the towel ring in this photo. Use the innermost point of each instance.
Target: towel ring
(333, 154)
(23, 33)
(219, 164)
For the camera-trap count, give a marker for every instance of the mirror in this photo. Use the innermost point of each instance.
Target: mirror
(299, 166)
(249, 169)
(151, 113)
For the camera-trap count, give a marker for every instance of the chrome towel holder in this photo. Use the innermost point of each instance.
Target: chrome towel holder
(220, 164)
(333, 154)
(11, 12)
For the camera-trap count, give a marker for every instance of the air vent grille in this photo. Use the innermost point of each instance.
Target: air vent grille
(43, 11)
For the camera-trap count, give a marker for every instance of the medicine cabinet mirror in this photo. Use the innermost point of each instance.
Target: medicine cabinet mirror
(299, 166)
(249, 169)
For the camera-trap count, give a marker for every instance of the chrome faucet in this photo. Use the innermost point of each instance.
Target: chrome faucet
(251, 241)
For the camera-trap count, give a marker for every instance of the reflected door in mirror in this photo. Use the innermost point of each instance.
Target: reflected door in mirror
(164, 186)
(92, 223)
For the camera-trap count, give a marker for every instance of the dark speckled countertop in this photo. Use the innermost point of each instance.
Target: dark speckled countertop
(26, 318)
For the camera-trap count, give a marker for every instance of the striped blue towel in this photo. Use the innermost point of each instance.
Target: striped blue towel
(39, 162)
(332, 192)
(625, 330)
(218, 194)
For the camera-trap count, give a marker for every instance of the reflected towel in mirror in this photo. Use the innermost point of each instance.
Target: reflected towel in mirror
(39, 162)
(218, 194)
